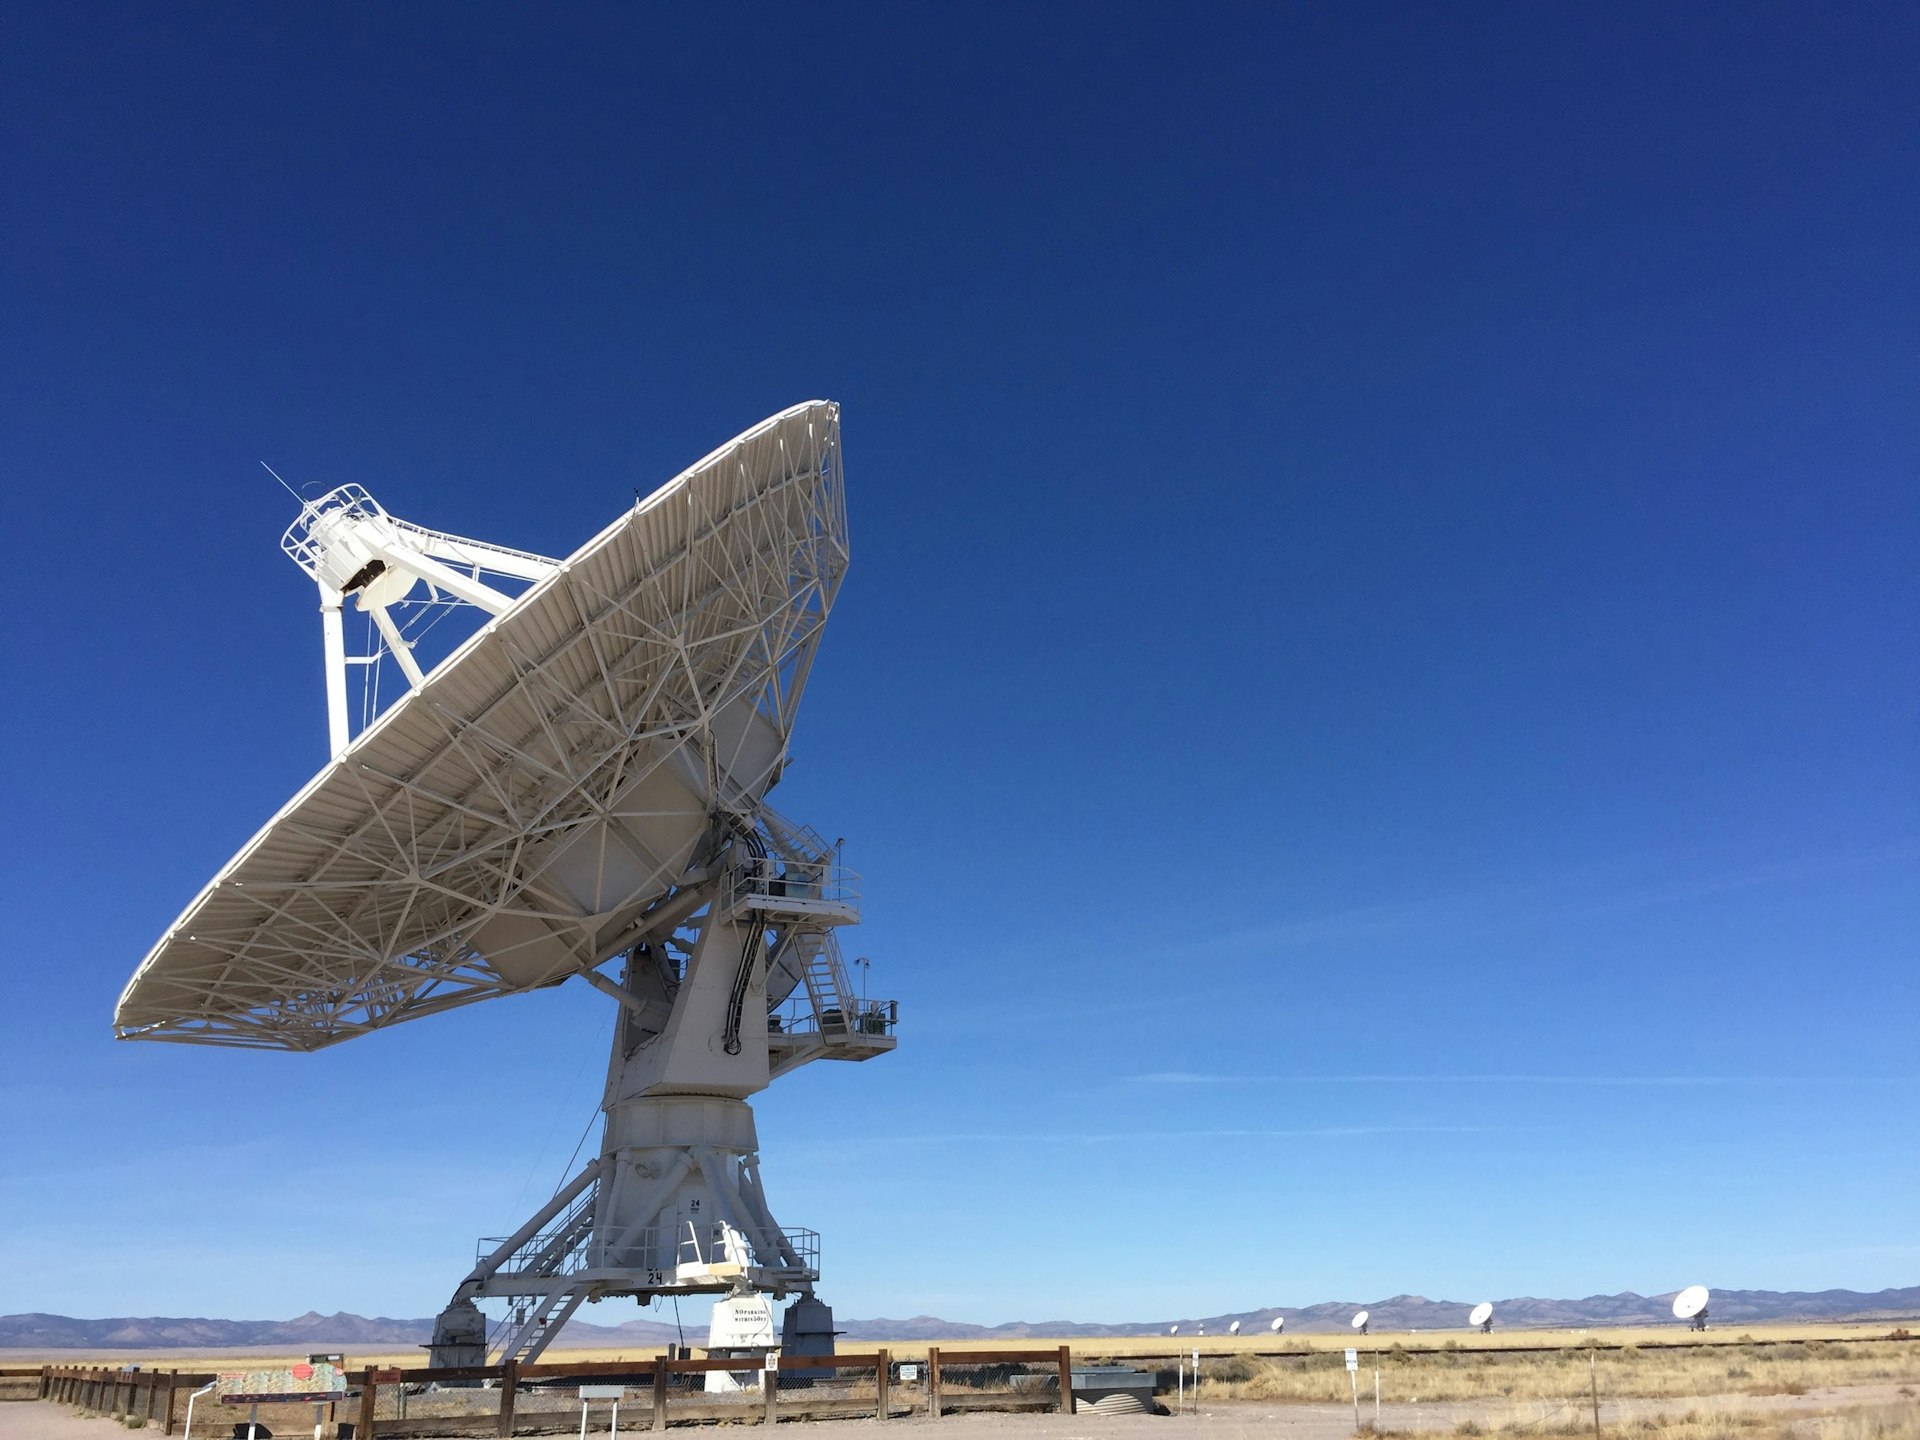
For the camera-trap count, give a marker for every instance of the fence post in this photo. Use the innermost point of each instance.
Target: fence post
(933, 1382)
(509, 1394)
(369, 1400)
(173, 1384)
(1066, 1380)
(882, 1377)
(770, 1390)
(660, 1393)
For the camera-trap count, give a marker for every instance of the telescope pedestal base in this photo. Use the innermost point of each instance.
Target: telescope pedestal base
(673, 1206)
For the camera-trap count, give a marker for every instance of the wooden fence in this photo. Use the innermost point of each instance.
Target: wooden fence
(155, 1395)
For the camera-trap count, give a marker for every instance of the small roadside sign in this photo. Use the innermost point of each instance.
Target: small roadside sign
(1353, 1360)
(603, 1392)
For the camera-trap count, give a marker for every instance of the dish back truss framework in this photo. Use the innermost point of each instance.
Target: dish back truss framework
(579, 790)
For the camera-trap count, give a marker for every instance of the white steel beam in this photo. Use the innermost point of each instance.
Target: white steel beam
(333, 635)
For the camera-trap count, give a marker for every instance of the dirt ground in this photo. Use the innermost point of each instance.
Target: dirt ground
(32, 1420)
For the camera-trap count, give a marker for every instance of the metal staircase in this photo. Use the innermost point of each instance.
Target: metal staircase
(531, 1324)
(825, 977)
(831, 1022)
(537, 1275)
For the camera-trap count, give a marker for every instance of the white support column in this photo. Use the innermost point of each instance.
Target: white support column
(402, 652)
(334, 635)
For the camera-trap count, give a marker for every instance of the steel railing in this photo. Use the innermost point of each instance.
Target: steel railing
(767, 882)
(861, 1017)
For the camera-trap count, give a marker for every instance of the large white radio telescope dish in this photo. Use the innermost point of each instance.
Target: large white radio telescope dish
(581, 784)
(1234, 1328)
(1481, 1314)
(1279, 1324)
(1359, 1321)
(1690, 1303)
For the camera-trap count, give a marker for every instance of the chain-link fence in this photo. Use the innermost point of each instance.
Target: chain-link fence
(834, 1387)
(476, 1402)
(965, 1380)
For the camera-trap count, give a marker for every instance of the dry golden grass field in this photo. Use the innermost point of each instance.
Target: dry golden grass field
(1780, 1382)
(1430, 1365)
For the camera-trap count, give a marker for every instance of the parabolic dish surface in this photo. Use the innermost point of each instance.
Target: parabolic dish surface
(508, 824)
(1690, 1302)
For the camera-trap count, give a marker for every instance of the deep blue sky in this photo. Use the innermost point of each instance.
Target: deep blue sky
(1376, 700)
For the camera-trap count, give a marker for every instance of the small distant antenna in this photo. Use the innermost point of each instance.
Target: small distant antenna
(1482, 1315)
(1174, 1331)
(1234, 1328)
(1279, 1324)
(1359, 1322)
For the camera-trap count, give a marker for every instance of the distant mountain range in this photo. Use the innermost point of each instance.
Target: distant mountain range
(1398, 1313)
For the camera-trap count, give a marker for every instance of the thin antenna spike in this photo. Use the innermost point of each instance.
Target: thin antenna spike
(283, 484)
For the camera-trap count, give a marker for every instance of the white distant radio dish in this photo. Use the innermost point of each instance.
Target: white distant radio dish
(1359, 1322)
(1234, 1328)
(1691, 1304)
(1174, 1331)
(1482, 1315)
(1279, 1324)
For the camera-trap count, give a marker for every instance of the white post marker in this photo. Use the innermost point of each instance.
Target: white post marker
(1196, 1380)
(1353, 1382)
(211, 1384)
(615, 1393)
(1376, 1399)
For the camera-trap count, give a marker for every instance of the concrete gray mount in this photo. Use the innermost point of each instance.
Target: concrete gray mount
(673, 1205)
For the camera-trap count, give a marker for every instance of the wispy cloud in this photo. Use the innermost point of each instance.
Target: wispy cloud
(1625, 883)
(1189, 1077)
(1129, 1137)
(1501, 909)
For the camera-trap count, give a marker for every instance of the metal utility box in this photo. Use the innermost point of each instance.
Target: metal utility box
(1094, 1383)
